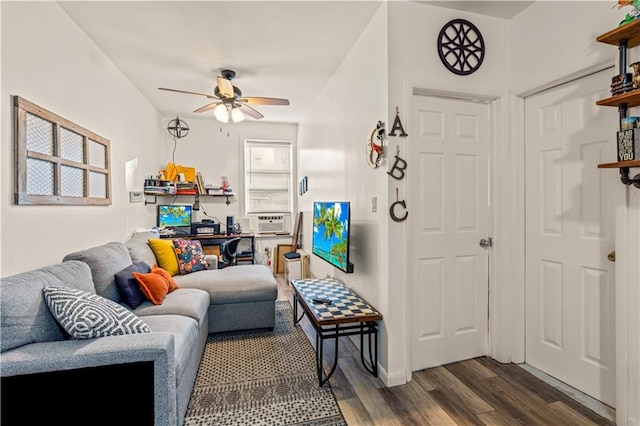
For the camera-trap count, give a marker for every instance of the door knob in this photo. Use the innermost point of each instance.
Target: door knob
(612, 256)
(486, 242)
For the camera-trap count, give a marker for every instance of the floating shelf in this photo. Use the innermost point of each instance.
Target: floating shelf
(630, 99)
(619, 164)
(629, 32)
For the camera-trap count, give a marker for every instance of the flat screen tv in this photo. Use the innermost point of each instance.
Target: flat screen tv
(174, 216)
(330, 239)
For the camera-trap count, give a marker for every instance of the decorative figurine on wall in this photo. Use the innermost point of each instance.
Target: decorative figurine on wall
(635, 12)
(374, 145)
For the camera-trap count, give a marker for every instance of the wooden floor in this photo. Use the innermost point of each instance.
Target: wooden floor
(479, 391)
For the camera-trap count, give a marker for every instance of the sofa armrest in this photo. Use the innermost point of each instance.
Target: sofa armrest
(68, 355)
(212, 261)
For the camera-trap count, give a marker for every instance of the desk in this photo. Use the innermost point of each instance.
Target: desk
(211, 243)
(347, 315)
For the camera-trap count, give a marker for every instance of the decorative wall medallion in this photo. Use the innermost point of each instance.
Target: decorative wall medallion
(461, 47)
(374, 145)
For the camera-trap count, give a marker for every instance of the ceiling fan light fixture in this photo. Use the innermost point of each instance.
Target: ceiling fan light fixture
(221, 113)
(236, 115)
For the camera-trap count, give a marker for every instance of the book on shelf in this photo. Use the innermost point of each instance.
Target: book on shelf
(200, 183)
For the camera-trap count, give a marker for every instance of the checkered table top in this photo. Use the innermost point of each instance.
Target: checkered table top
(346, 306)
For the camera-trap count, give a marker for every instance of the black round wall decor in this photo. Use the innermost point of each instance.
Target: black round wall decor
(461, 47)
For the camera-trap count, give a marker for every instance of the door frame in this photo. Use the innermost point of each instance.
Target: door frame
(506, 262)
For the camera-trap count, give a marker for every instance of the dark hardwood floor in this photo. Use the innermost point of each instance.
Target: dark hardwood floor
(478, 391)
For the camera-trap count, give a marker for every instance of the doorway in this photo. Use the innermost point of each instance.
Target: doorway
(570, 285)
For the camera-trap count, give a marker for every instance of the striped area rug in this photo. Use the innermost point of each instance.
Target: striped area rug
(261, 377)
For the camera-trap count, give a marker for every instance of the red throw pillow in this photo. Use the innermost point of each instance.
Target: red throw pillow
(170, 281)
(154, 286)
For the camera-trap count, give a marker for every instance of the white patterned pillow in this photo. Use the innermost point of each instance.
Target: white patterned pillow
(85, 316)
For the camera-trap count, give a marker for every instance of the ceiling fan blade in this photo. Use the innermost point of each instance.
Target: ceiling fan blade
(207, 107)
(187, 92)
(264, 101)
(246, 109)
(225, 87)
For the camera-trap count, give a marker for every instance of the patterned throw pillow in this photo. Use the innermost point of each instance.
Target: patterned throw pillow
(84, 315)
(190, 255)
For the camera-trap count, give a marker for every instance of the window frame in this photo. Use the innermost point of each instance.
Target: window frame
(22, 108)
(245, 175)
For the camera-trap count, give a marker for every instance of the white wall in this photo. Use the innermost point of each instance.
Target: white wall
(216, 149)
(550, 40)
(331, 150)
(48, 60)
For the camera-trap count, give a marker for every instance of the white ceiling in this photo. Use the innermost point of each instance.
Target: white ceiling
(283, 49)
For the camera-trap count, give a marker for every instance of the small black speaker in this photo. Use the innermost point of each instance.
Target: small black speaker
(229, 225)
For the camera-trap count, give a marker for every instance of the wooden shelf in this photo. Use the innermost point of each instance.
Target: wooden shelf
(631, 99)
(619, 164)
(629, 32)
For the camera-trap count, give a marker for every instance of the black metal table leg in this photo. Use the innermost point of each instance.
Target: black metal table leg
(320, 354)
(296, 320)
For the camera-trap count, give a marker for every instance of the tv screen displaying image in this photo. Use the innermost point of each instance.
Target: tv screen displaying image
(175, 216)
(330, 239)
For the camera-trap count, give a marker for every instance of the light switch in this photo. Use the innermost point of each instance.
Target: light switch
(374, 204)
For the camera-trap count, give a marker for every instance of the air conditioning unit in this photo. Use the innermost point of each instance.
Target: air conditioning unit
(273, 223)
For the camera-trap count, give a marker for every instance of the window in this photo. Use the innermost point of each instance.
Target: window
(267, 177)
(57, 161)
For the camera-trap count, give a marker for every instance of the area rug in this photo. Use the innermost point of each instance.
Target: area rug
(261, 377)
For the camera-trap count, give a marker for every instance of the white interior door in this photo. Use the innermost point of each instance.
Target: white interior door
(570, 316)
(448, 168)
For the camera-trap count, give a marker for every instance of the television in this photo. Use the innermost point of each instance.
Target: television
(330, 241)
(174, 216)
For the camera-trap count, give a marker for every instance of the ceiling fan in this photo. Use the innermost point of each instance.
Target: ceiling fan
(229, 101)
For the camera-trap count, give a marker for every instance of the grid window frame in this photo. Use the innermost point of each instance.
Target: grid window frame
(282, 173)
(25, 194)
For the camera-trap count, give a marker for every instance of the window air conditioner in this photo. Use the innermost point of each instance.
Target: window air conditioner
(273, 223)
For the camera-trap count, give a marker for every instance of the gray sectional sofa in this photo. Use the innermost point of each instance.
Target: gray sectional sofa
(153, 373)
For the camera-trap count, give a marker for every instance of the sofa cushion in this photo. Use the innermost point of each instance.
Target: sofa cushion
(85, 316)
(166, 255)
(190, 256)
(24, 315)
(234, 284)
(128, 285)
(105, 261)
(139, 248)
(188, 302)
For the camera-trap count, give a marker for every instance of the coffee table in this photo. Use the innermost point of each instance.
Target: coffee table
(335, 311)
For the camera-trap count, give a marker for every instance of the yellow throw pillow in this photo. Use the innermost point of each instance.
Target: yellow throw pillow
(166, 255)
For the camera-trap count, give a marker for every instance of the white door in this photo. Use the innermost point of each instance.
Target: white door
(570, 316)
(449, 214)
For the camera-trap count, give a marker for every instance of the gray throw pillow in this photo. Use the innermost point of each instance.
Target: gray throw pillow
(85, 316)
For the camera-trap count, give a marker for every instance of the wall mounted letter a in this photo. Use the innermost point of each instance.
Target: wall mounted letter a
(397, 125)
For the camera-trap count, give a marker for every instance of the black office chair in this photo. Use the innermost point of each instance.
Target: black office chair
(229, 251)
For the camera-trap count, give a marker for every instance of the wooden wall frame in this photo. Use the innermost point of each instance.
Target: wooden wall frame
(90, 166)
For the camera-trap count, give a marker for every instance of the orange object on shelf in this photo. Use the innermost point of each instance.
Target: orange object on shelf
(173, 171)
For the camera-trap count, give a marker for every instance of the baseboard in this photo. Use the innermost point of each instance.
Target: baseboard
(395, 379)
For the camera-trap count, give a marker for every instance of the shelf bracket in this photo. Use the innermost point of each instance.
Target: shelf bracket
(227, 202)
(155, 200)
(624, 177)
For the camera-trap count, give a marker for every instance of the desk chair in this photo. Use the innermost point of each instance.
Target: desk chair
(229, 251)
